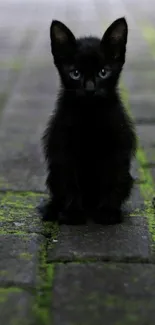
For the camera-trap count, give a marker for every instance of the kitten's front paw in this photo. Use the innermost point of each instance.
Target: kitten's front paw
(108, 216)
(72, 217)
(48, 210)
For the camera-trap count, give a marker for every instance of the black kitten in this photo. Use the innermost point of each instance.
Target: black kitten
(90, 140)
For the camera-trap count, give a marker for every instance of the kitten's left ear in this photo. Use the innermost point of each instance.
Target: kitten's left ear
(62, 39)
(115, 37)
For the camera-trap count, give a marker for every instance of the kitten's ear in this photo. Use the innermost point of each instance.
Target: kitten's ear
(62, 39)
(115, 37)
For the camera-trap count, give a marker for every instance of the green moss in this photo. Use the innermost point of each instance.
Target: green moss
(3, 99)
(137, 213)
(135, 279)
(3, 272)
(148, 32)
(45, 277)
(44, 299)
(54, 230)
(18, 214)
(51, 231)
(16, 64)
(21, 221)
(5, 292)
(3, 217)
(23, 200)
(12, 231)
(26, 256)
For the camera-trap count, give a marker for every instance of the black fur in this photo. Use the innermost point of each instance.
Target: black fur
(90, 139)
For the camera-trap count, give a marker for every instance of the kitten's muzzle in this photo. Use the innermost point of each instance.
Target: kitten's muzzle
(90, 86)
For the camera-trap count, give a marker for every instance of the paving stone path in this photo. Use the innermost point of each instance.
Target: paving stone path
(69, 275)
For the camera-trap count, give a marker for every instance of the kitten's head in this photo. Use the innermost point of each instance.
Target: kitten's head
(89, 65)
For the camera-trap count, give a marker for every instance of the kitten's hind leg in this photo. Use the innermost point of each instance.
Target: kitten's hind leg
(48, 210)
(109, 209)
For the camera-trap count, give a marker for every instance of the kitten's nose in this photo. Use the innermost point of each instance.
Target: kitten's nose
(90, 86)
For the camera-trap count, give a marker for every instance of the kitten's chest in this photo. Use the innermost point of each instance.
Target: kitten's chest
(90, 136)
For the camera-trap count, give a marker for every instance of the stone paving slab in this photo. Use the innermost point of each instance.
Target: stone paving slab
(18, 213)
(16, 306)
(143, 110)
(22, 162)
(18, 221)
(135, 204)
(146, 134)
(103, 293)
(140, 81)
(22, 124)
(23, 276)
(11, 63)
(21, 239)
(40, 80)
(19, 258)
(15, 43)
(128, 241)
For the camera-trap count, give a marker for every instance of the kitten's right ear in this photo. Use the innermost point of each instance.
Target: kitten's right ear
(62, 39)
(115, 38)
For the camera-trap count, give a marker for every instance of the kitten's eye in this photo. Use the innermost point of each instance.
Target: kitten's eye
(102, 73)
(75, 74)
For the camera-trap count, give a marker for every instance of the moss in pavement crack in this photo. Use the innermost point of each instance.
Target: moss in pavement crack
(42, 308)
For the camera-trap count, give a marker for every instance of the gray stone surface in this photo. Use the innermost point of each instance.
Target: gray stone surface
(135, 203)
(22, 162)
(27, 91)
(17, 221)
(103, 293)
(40, 80)
(143, 110)
(16, 306)
(15, 48)
(146, 134)
(15, 45)
(18, 214)
(128, 241)
(22, 125)
(19, 257)
(140, 81)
